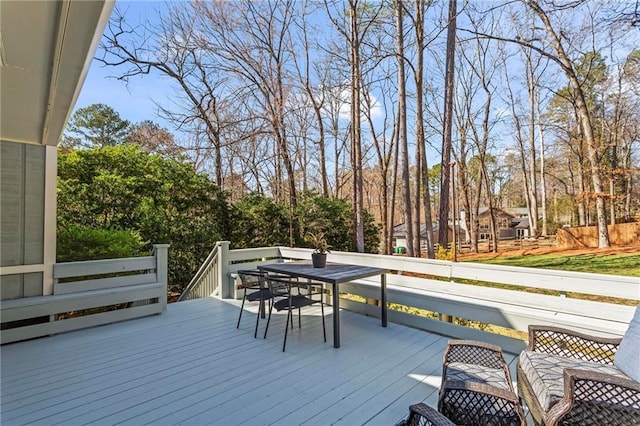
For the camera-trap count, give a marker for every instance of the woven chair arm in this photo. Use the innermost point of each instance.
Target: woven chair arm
(569, 343)
(474, 352)
(596, 395)
(483, 388)
(423, 415)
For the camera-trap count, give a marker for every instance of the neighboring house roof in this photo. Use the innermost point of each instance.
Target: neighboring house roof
(520, 223)
(399, 230)
(518, 212)
(521, 211)
(499, 212)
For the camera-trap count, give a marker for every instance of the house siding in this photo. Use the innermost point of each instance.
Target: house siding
(27, 226)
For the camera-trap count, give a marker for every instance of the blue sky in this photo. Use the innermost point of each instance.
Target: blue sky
(133, 102)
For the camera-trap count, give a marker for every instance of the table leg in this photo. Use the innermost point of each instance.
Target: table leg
(336, 317)
(262, 306)
(383, 298)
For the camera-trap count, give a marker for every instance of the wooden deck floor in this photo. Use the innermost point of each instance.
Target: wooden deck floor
(191, 366)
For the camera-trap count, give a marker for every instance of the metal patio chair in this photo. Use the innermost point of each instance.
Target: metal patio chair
(290, 291)
(255, 290)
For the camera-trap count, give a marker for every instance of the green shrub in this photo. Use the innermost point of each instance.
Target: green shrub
(75, 243)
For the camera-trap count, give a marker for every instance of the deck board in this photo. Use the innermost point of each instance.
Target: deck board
(191, 365)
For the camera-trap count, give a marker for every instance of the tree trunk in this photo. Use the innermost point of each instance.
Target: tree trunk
(356, 147)
(394, 185)
(443, 217)
(402, 132)
(585, 123)
(422, 172)
(582, 202)
(543, 180)
(492, 214)
(531, 172)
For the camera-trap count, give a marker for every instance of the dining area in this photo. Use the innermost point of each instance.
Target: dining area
(292, 286)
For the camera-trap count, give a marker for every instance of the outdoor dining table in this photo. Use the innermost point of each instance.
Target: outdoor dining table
(334, 274)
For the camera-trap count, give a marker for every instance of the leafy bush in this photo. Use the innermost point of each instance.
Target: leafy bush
(333, 217)
(76, 243)
(260, 222)
(162, 200)
(116, 201)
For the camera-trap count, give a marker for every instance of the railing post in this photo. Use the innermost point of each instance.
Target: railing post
(161, 253)
(226, 283)
(441, 316)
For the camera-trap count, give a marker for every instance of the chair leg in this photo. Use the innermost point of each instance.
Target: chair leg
(324, 330)
(268, 321)
(255, 332)
(242, 307)
(286, 328)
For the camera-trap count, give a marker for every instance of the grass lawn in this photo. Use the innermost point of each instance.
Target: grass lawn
(619, 263)
(612, 264)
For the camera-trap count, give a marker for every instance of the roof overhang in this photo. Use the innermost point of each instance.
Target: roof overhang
(46, 48)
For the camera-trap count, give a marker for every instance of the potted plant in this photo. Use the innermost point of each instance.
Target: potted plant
(320, 249)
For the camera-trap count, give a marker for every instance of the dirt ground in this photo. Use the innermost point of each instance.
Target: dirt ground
(533, 251)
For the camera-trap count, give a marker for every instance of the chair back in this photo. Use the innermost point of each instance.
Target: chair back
(279, 286)
(251, 278)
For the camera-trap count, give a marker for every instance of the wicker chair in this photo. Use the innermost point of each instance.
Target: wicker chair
(476, 386)
(423, 415)
(567, 378)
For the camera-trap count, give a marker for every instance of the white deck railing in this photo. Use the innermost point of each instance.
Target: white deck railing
(206, 281)
(441, 286)
(84, 291)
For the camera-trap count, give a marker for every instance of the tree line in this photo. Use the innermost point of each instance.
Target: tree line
(536, 103)
(118, 196)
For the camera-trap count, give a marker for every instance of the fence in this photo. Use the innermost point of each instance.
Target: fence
(88, 294)
(509, 297)
(623, 234)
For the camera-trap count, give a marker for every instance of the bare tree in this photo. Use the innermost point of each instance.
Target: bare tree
(253, 41)
(526, 152)
(315, 95)
(543, 177)
(402, 133)
(443, 217)
(171, 49)
(480, 61)
(384, 146)
(422, 167)
(154, 139)
(556, 40)
(360, 20)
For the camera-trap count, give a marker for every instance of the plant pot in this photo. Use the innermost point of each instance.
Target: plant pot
(319, 260)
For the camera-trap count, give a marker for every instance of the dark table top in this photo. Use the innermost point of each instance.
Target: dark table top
(333, 273)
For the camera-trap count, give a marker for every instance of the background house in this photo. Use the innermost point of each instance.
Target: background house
(509, 225)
